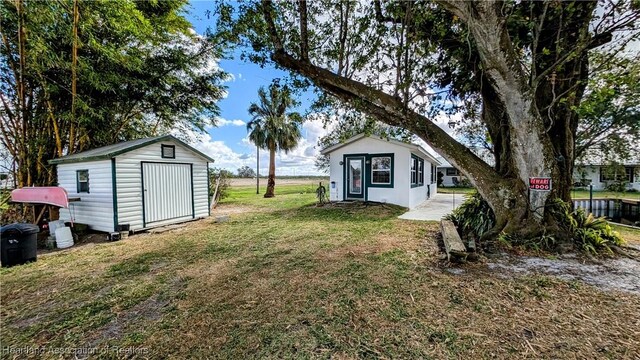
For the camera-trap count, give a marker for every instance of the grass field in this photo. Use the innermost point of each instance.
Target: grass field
(285, 279)
(630, 235)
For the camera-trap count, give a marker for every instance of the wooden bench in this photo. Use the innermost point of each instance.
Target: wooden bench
(453, 245)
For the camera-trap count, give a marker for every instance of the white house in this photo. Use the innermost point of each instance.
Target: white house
(141, 183)
(370, 168)
(450, 175)
(600, 175)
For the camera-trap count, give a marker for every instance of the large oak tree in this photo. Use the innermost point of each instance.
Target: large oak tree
(402, 62)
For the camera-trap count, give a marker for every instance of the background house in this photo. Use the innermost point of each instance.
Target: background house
(607, 171)
(453, 177)
(603, 176)
(450, 175)
(141, 183)
(370, 168)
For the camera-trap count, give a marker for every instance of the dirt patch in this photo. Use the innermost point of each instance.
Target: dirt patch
(151, 310)
(89, 239)
(622, 274)
(230, 209)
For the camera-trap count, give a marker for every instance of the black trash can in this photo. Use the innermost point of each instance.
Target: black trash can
(18, 244)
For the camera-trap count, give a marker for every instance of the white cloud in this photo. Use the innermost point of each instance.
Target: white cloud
(299, 161)
(224, 122)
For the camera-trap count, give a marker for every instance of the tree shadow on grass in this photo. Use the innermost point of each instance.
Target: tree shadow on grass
(355, 212)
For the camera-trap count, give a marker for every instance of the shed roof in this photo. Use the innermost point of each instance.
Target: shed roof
(111, 151)
(413, 147)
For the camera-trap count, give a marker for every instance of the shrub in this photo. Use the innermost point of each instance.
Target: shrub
(464, 183)
(221, 178)
(474, 216)
(589, 233)
(616, 186)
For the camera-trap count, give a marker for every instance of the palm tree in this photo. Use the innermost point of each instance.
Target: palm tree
(272, 128)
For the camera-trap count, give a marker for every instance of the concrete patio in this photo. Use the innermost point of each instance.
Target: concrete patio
(435, 208)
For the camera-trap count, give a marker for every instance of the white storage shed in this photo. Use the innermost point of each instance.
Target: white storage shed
(141, 183)
(370, 168)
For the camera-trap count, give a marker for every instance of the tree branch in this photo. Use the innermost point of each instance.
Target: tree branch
(267, 10)
(304, 35)
(392, 111)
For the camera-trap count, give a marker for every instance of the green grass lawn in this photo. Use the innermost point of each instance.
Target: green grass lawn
(630, 235)
(457, 190)
(285, 279)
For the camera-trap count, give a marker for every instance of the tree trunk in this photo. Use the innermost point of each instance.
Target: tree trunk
(531, 129)
(271, 183)
(74, 78)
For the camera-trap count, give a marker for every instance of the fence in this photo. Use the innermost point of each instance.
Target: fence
(626, 211)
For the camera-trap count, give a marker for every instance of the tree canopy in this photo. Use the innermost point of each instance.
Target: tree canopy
(521, 67)
(77, 74)
(246, 172)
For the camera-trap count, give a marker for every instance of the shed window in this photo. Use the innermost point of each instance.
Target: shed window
(168, 152)
(82, 179)
(381, 170)
(452, 172)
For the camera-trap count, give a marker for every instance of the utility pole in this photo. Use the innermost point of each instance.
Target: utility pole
(257, 170)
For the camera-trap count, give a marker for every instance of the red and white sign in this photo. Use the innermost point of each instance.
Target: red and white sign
(540, 183)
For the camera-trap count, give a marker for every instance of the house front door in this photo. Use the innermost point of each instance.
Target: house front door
(355, 181)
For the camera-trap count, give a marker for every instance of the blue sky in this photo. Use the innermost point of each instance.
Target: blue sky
(227, 143)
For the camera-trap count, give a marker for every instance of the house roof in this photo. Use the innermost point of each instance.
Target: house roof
(413, 147)
(479, 151)
(111, 151)
(444, 163)
(596, 157)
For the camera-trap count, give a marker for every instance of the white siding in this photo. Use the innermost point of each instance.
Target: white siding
(401, 194)
(129, 182)
(447, 180)
(96, 207)
(592, 172)
(418, 194)
(398, 195)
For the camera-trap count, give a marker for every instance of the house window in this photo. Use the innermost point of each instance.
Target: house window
(414, 174)
(452, 172)
(168, 151)
(616, 174)
(417, 171)
(433, 173)
(82, 181)
(381, 170)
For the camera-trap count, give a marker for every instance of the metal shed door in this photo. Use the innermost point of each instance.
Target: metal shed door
(168, 192)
